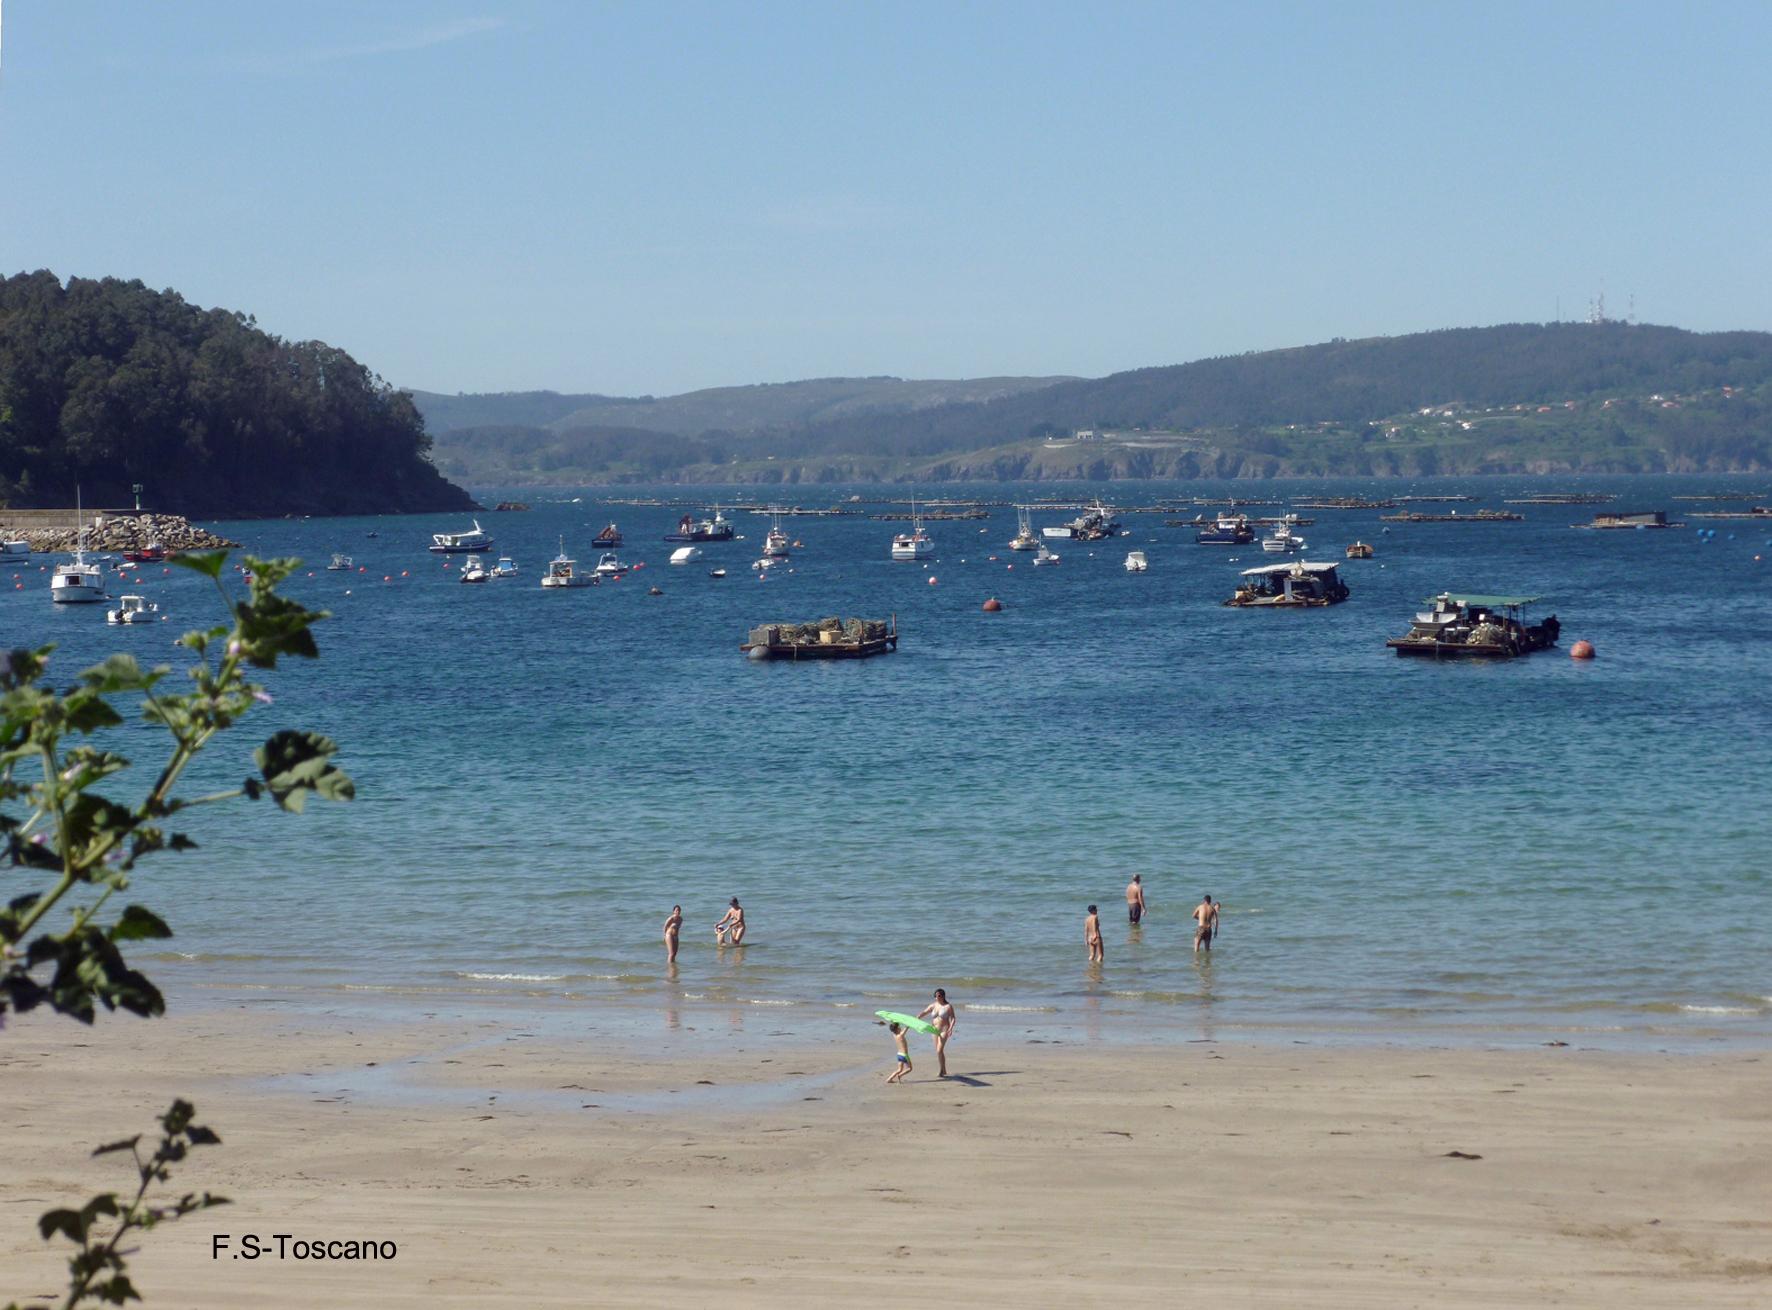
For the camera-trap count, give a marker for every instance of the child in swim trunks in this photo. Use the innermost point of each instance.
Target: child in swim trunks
(904, 1053)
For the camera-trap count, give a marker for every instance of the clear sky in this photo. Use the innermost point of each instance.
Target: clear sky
(486, 195)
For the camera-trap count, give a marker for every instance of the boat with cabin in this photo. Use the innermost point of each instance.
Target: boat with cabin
(1097, 523)
(686, 554)
(449, 543)
(133, 609)
(609, 567)
(1629, 519)
(716, 528)
(1469, 626)
(1283, 540)
(607, 539)
(78, 583)
(1024, 538)
(1359, 550)
(341, 563)
(915, 544)
(152, 553)
(1136, 562)
(563, 571)
(505, 568)
(17, 547)
(1300, 584)
(1227, 530)
(473, 569)
(1046, 555)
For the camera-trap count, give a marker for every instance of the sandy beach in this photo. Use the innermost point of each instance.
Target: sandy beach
(513, 1165)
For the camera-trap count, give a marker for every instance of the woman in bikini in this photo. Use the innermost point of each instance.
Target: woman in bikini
(940, 1012)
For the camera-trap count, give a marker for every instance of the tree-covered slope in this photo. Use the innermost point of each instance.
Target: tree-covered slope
(107, 383)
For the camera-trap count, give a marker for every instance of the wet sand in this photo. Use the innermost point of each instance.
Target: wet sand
(518, 1165)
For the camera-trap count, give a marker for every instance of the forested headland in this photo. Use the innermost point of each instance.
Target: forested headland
(1517, 398)
(106, 383)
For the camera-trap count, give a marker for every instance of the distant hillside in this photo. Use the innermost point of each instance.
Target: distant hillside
(725, 409)
(1515, 398)
(107, 383)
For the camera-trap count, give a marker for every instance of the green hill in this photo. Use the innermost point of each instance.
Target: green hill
(1514, 398)
(107, 383)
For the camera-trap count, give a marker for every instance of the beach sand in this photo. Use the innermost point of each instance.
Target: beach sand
(516, 1166)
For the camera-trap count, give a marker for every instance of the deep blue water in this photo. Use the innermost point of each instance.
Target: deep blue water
(1538, 846)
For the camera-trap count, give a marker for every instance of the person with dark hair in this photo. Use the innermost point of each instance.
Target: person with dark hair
(904, 1054)
(940, 1012)
(672, 926)
(732, 922)
(1206, 915)
(1092, 936)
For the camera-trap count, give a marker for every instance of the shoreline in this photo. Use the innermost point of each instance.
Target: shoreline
(761, 1166)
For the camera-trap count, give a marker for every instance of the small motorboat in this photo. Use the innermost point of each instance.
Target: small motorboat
(766, 563)
(1283, 540)
(608, 566)
(133, 609)
(716, 573)
(1359, 550)
(1046, 555)
(563, 571)
(607, 539)
(686, 554)
(152, 553)
(18, 546)
(473, 569)
(341, 563)
(1136, 562)
(505, 568)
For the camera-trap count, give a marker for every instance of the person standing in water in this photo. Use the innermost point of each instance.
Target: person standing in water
(1206, 915)
(940, 1012)
(672, 926)
(1092, 936)
(1135, 906)
(732, 922)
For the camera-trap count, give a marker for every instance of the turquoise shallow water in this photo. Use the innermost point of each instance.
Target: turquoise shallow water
(1538, 847)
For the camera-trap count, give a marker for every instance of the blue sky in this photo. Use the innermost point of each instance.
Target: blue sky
(655, 197)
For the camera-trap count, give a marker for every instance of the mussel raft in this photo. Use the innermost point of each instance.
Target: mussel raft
(825, 639)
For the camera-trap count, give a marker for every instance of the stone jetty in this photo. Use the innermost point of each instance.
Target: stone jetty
(107, 530)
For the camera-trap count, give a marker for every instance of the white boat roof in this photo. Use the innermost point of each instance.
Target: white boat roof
(1303, 564)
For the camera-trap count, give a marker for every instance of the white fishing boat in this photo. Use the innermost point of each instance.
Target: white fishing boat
(686, 554)
(1046, 555)
(78, 583)
(1136, 562)
(15, 548)
(775, 545)
(563, 571)
(473, 569)
(445, 543)
(915, 544)
(1283, 540)
(767, 562)
(133, 609)
(505, 568)
(1024, 538)
(340, 564)
(608, 566)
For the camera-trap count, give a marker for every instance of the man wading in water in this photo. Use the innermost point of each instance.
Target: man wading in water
(1135, 906)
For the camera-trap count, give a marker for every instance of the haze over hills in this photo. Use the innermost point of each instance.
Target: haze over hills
(1604, 396)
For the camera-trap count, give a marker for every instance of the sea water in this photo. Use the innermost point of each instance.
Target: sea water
(1520, 850)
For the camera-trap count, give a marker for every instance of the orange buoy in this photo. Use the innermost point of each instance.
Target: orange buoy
(1582, 650)
(993, 605)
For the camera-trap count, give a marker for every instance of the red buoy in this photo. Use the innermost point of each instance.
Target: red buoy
(1582, 650)
(992, 605)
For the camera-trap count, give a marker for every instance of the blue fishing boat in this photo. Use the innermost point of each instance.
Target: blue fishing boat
(1229, 530)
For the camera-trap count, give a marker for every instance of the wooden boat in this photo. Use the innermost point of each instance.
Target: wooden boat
(1359, 550)
(1475, 627)
(607, 539)
(827, 639)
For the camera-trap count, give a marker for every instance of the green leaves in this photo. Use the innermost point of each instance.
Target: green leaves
(207, 562)
(137, 924)
(294, 764)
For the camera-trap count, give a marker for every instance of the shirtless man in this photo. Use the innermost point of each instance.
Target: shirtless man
(672, 926)
(1206, 915)
(733, 922)
(1092, 936)
(1135, 905)
(940, 1012)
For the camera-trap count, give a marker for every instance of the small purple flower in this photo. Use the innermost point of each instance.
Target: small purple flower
(262, 696)
(234, 647)
(39, 839)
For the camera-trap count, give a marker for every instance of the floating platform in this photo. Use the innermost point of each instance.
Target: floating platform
(826, 639)
(1475, 516)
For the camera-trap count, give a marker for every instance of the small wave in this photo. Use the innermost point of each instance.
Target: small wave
(1010, 1009)
(514, 977)
(769, 1002)
(1719, 1009)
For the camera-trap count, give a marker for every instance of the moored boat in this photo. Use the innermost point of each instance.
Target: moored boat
(1024, 538)
(607, 539)
(686, 554)
(473, 569)
(608, 566)
(341, 563)
(1228, 530)
(1136, 562)
(18, 546)
(1046, 555)
(563, 571)
(716, 528)
(505, 568)
(446, 543)
(133, 609)
(915, 544)
(826, 639)
(775, 545)
(1298, 585)
(1468, 626)
(78, 583)
(1359, 550)
(1283, 540)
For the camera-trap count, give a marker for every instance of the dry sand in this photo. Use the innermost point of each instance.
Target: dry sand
(514, 1166)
